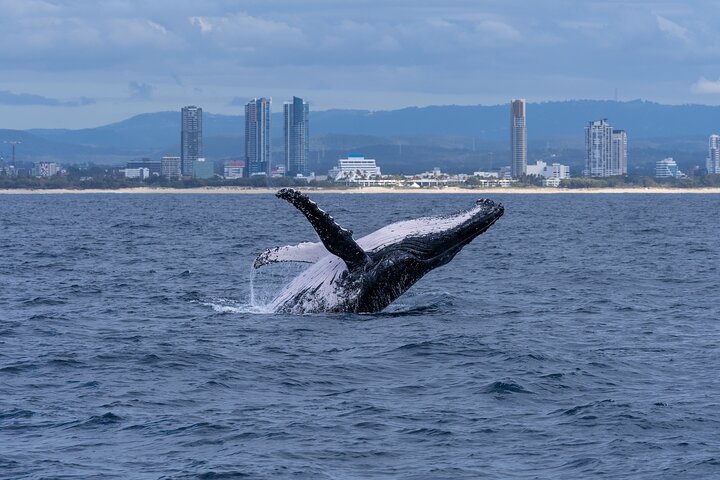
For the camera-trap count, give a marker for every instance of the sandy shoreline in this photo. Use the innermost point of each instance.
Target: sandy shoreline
(367, 190)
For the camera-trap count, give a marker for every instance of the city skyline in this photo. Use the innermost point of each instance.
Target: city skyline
(78, 65)
(616, 165)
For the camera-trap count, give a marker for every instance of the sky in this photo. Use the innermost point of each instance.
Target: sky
(84, 63)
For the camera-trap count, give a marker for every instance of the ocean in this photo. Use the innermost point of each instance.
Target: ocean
(577, 338)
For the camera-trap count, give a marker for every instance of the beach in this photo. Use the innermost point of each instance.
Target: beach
(365, 190)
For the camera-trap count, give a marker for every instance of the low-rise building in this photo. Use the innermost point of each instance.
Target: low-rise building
(555, 170)
(45, 169)
(552, 182)
(170, 168)
(203, 169)
(503, 182)
(436, 178)
(667, 168)
(278, 171)
(137, 173)
(233, 170)
(353, 168)
(155, 166)
(487, 174)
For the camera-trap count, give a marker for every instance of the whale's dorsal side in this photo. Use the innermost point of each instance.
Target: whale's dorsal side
(336, 239)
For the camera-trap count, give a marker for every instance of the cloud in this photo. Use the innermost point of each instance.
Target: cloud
(203, 23)
(672, 29)
(705, 86)
(220, 53)
(140, 91)
(26, 99)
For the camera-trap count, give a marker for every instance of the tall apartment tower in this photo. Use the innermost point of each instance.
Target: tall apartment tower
(257, 136)
(713, 160)
(618, 160)
(605, 150)
(518, 138)
(191, 146)
(297, 139)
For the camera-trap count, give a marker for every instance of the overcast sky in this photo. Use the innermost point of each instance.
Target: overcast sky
(83, 63)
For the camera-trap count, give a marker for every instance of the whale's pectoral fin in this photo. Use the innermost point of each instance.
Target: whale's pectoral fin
(337, 240)
(304, 252)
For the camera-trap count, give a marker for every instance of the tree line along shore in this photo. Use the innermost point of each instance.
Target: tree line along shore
(79, 180)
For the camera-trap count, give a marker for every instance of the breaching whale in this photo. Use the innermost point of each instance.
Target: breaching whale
(366, 275)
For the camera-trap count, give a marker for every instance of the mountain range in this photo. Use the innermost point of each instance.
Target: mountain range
(452, 137)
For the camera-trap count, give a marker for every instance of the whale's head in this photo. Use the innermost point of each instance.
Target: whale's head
(415, 247)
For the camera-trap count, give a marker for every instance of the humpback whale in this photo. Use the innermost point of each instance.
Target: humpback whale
(366, 275)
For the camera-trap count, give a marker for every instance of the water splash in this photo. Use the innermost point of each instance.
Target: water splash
(221, 305)
(268, 282)
(260, 299)
(253, 271)
(257, 303)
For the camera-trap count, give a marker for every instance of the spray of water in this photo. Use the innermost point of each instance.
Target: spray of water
(258, 303)
(252, 286)
(264, 286)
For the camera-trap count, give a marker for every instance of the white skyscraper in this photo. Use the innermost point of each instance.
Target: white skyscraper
(605, 150)
(713, 160)
(618, 160)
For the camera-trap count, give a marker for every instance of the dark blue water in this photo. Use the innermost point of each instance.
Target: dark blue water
(577, 338)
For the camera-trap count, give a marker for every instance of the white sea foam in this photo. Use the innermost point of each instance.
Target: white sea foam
(220, 305)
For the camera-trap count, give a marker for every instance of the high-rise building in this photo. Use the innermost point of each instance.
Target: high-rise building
(191, 145)
(713, 160)
(297, 144)
(170, 168)
(618, 159)
(257, 136)
(518, 138)
(605, 150)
